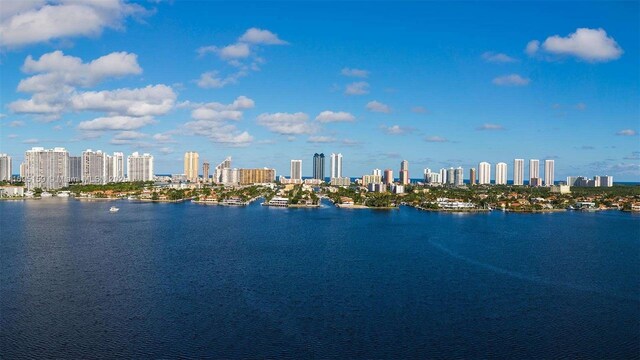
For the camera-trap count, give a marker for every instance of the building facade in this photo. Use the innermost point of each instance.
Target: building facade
(534, 169)
(388, 176)
(404, 172)
(549, 170)
(484, 173)
(336, 165)
(501, 173)
(140, 167)
(93, 167)
(518, 172)
(191, 165)
(472, 176)
(256, 176)
(47, 169)
(318, 166)
(5, 167)
(296, 170)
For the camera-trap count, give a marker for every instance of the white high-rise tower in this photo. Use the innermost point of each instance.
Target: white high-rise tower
(336, 165)
(548, 172)
(484, 173)
(518, 172)
(501, 173)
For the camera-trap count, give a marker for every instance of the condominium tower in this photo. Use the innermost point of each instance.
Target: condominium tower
(318, 166)
(46, 168)
(140, 167)
(404, 172)
(191, 164)
(484, 173)
(501, 173)
(548, 172)
(5, 167)
(518, 172)
(534, 169)
(336, 165)
(296, 170)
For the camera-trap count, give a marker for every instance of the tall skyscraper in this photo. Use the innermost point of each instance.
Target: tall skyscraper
(46, 169)
(458, 176)
(404, 172)
(205, 171)
(336, 165)
(191, 165)
(501, 173)
(377, 172)
(296, 170)
(5, 167)
(75, 169)
(443, 176)
(318, 166)
(93, 167)
(117, 164)
(605, 181)
(534, 169)
(518, 172)
(451, 176)
(549, 176)
(388, 176)
(221, 170)
(140, 167)
(472, 176)
(256, 176)
(484, 173)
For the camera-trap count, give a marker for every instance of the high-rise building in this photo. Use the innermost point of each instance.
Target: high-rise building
(458, 176)
(205, 171)
(605, 181)
(518, 172)
(451, 176)
(46, 169)
(256, 176)
(318, 166)
(221, 171)
(93, 167)
(371, 179)
(501, 173)
(191, 165)
(377, 172)
(117, 163)
(388, 176)
(296, 170)
(75, 169)
(108, 169)
(549, 176)
(534, 169)
(5, 167)
(484, 173)
(404, 172)
(443, 176)
(23, 170)
(472, 176)
(140, 167)
(336, 165)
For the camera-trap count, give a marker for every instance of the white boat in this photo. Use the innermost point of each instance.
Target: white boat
(113, 209)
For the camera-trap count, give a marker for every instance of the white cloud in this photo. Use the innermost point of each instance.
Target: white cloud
(627, 132)
(377, 106)
(435, 139)
(16, 123)
(30, 141)
(493, 57)
(211, 120)
(331, 116)
(29, 22)
(511, 80)
(212, 80)
(490, 127)
(259, 36)
(397, 129)
(129, 135)
(287, 123)
(532, 47)
(219, 132)
(321, 139)
(355, 72)
(163, 138)
(215, 111)
(357, 88)
(592, 45)
(150, 100)
(115, 123)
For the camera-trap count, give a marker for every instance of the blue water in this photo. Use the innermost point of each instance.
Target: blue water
(183, 280)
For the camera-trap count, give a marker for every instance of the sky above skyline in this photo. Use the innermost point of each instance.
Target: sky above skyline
(437, 84)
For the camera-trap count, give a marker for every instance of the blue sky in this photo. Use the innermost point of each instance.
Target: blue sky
(438, 84)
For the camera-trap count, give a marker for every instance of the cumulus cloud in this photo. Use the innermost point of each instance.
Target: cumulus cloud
(627, 132)
(357, 88)
(377, 106)
(511, 80)
(259, 36)
(116, 123)
(397, 129)
(287, 123)
(212, 120)
(241, 55)
(487, 126)
(331, 116)
(437, 139)
(16, 123)
(350, 72)
(592, 45)
(27, 22)
(493, 57)
(150, 100)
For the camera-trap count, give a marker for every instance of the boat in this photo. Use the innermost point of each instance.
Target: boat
(113, 209)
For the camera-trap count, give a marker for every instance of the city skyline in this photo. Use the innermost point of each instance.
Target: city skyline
(242, 86)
